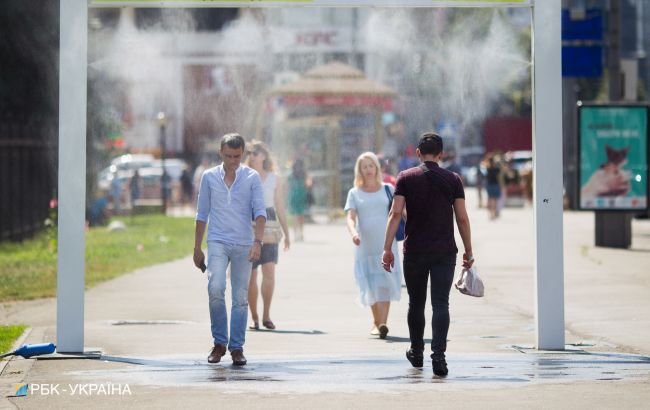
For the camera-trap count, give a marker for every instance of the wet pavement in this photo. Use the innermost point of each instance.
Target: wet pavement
(317, 374)
(152, 330)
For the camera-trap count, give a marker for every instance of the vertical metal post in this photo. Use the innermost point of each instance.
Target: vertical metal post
(547, 149)
(72, 175)
(164, 179)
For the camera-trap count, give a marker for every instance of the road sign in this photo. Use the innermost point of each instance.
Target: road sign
(582, 40)
(582, 61)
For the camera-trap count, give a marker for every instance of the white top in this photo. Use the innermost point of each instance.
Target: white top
(269, 185)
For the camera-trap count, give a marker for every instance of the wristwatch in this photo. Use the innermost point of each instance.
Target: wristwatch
(258, 241)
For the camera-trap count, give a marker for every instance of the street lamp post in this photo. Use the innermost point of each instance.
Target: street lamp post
(164, 179)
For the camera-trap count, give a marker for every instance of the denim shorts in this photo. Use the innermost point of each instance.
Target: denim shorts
(493, 190)
(268, 254)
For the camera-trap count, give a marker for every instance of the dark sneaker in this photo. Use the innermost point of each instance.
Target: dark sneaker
(238, 358)
(217, 353)
(439, 367)
(415, 357)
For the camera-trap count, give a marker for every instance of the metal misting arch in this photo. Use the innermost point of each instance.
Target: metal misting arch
(547, 149)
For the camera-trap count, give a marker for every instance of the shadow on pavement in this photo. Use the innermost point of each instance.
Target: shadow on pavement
(290, 332)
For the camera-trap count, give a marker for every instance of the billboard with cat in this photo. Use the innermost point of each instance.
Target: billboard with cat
(613, 157)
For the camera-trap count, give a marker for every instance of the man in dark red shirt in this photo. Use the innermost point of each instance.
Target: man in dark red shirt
(432, 195)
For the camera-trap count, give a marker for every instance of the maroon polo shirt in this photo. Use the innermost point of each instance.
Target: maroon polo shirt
(429, 208)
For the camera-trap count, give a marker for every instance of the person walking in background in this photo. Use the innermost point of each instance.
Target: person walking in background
(408, 160)
(432, 196)
(228, 195)
(298, 184)
(135, 185)
(453, 166)
(187, 187)
(493, 186)
(98, 214)
(480, 182)
(367, 206)
(116, 193)
(260, 160)
(387, 171)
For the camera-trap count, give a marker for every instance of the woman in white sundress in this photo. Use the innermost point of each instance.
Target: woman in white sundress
(367, 210)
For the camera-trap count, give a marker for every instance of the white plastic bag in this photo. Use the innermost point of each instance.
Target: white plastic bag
(470, 283)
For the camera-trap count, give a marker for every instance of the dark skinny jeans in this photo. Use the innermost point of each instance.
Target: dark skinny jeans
(417, 269)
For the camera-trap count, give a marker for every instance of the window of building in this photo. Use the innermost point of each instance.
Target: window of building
(342, 57)
(302, 62)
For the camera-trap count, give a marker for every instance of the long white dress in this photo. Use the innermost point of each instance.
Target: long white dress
(375, 284)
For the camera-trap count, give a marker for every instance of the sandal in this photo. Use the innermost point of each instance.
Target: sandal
(256, 325)
(268, 324)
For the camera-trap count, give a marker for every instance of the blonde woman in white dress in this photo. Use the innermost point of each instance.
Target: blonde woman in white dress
(367, 210)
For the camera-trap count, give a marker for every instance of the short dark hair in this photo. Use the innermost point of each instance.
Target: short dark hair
(430, 144)
(233, 140)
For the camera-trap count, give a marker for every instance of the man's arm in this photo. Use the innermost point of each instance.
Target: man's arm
(202, 213)
(256, 249)
(260, 222)
(462, 220)
(388, 259)
(199, 257)
(259, 210)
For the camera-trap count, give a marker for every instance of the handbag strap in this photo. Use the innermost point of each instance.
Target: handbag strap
(390, 197)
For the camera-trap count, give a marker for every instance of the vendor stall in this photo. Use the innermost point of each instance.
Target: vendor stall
(328, 117)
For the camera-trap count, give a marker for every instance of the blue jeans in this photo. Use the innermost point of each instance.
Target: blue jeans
(219, 256)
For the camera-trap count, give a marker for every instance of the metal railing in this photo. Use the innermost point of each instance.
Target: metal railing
(28, 175)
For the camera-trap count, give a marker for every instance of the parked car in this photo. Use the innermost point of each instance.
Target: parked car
(132, 161)
(174, 167)
(151, 172)
(521, 160)
(123, 166)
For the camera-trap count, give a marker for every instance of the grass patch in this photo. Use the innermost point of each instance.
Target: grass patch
(28, 269)
(8, 335)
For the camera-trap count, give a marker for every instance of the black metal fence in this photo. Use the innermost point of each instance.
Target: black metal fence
(28, 175)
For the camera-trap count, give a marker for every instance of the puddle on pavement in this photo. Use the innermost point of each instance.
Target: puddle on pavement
(318, 374)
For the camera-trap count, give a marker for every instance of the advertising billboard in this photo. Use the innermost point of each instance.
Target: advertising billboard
(613, 157)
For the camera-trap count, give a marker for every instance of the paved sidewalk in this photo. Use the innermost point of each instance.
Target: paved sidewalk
(152, 326)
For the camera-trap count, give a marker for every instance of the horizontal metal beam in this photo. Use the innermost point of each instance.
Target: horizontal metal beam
(310, 3)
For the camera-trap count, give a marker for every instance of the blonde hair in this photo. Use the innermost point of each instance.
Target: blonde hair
(268, 165)
(358, 177)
